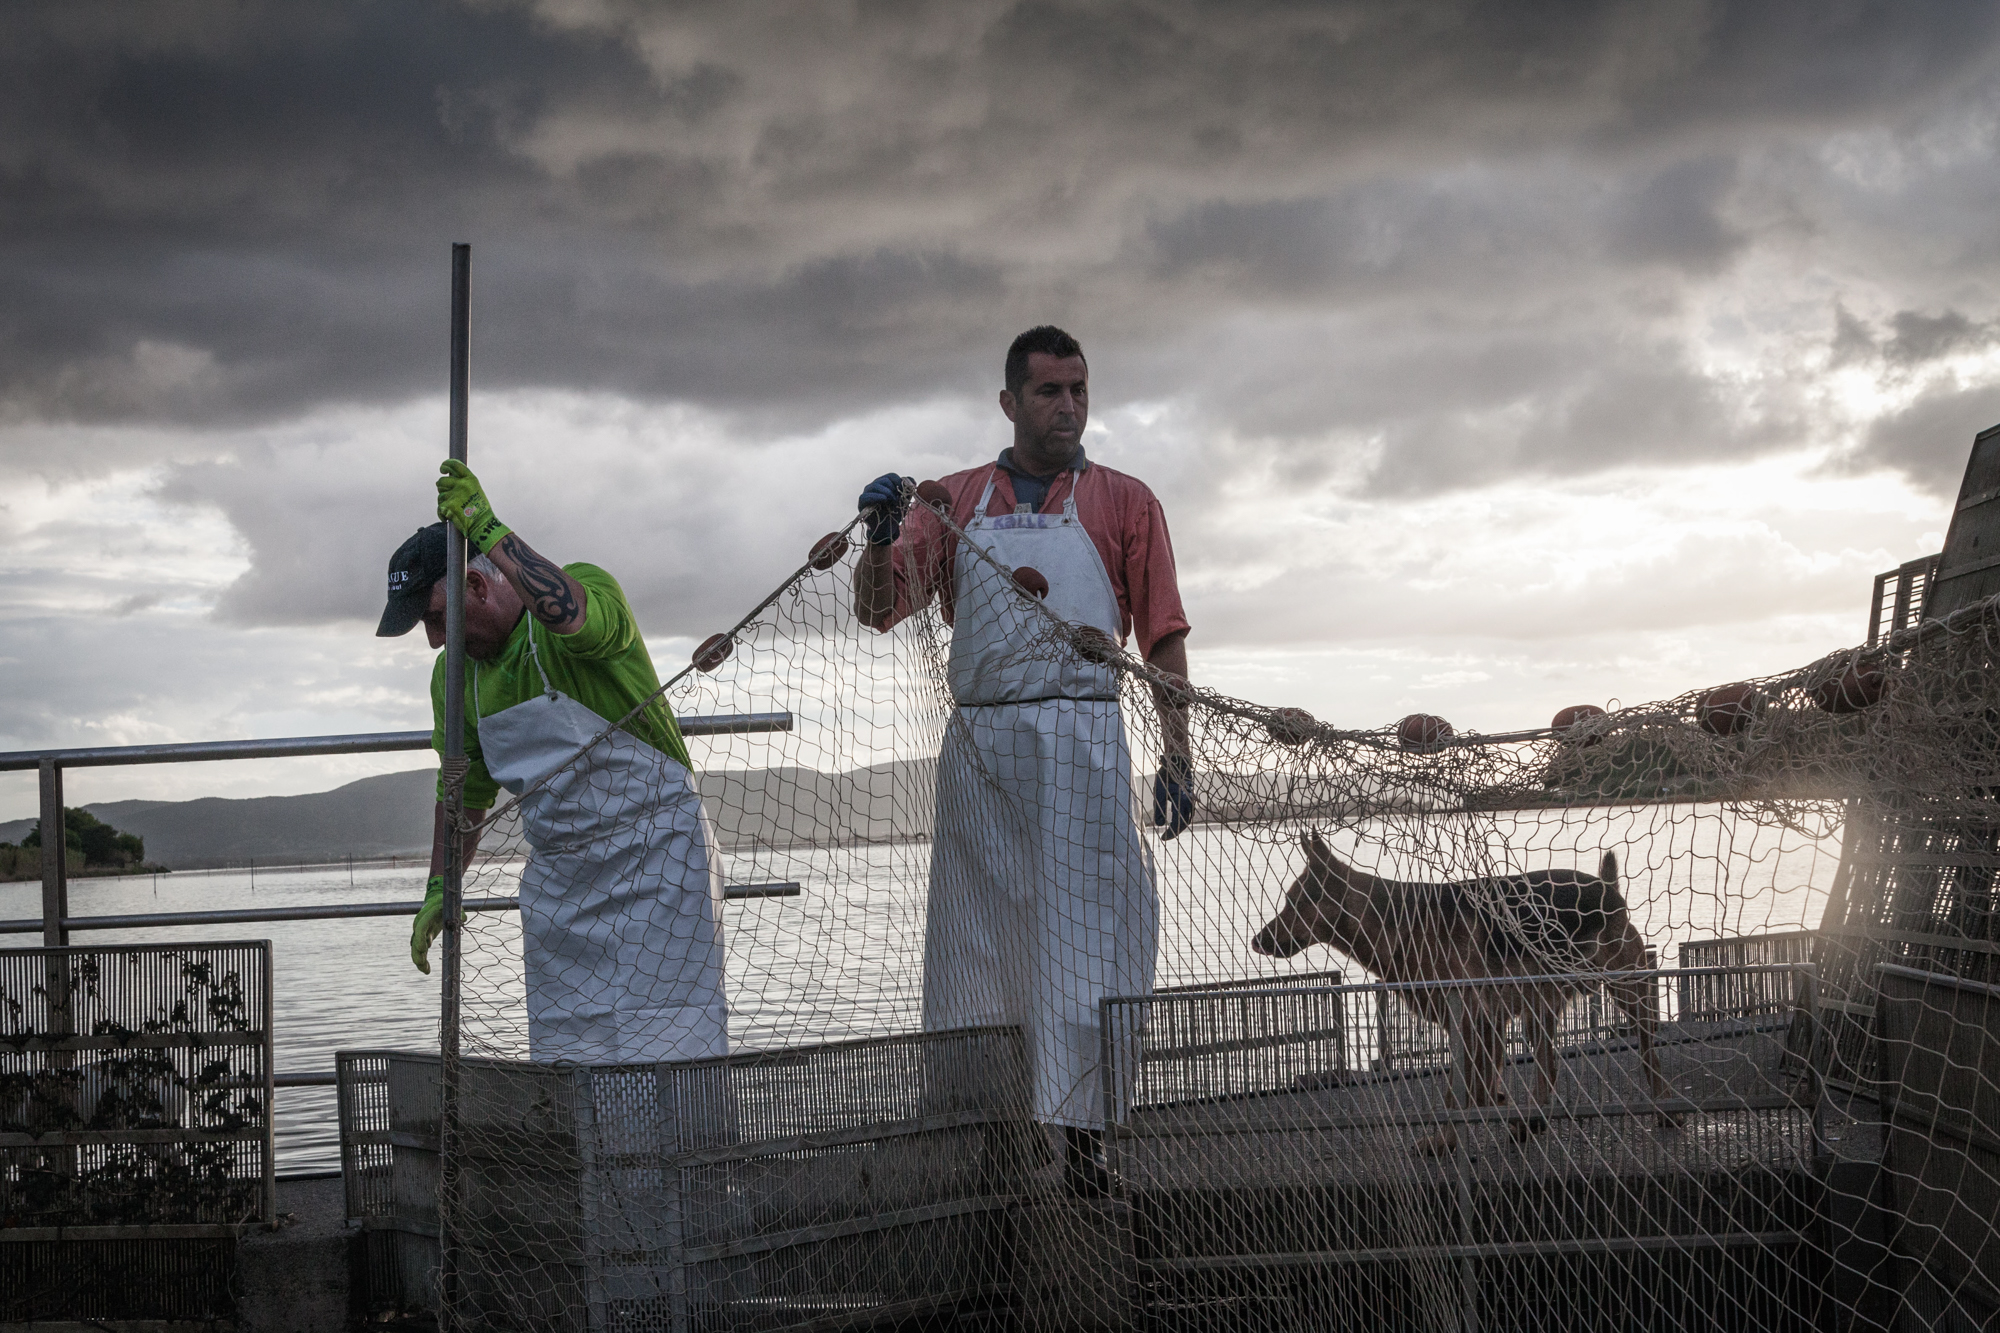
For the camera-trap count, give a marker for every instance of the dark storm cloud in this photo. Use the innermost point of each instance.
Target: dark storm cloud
(1927, 441)
(1425, 245)
(1919, 338)
(1673, 218)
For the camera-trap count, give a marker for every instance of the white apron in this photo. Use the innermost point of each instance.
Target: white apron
(621, 899)
(1041, 897)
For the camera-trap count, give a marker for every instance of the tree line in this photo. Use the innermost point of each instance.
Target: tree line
(91, 844)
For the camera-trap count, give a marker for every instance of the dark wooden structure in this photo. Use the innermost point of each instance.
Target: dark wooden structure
(1914, 909)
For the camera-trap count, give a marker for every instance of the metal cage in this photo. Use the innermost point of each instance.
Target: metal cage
(771, 1189)
(135, 1127)
(1268, 1146)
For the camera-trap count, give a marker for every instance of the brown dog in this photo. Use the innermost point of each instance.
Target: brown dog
(1542, 923)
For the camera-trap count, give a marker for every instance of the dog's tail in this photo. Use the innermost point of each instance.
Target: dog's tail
(1611, 898)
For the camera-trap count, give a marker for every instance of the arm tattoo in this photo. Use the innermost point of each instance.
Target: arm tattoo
(548, 588)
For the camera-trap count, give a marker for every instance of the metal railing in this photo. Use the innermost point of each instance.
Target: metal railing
(55, 922)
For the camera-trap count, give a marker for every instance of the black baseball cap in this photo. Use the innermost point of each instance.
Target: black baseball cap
(416, 566)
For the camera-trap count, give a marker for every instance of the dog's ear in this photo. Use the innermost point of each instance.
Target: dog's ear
(1608, 872)
(1318, 855)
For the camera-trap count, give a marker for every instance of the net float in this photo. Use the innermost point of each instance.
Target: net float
(1423, 730)
(1852, 690)
(1290, 726)
(714, 651)
(1031, 580)
(935, 494)
(828, 550)
(1728, 709)
(1093, 644)
(1568, 718)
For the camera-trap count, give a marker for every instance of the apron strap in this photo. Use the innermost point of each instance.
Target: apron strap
(986, 496)
(533, 653)
(993, 478)
(536, 655)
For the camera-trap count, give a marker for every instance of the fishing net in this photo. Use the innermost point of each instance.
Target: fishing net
(1685, 1014)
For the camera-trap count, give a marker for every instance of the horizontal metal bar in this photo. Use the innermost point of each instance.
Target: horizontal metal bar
(789, 888)
(287, 747)
(1685, 945)
(377, 1222)
(1419, 1254)
(317, 1078)
(77, 1138)
(1232, 1045)
(853, 1226)
(1568, 979)
(231, 916)
(132, 1231)
(1417, 1117)
(1930, 978)
(323, 912)
(735, 724)
(818, 1140)
(142, 1041)
(374, 742)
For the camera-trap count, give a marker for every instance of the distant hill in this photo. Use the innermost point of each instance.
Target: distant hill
(387, 815)
(390, 815)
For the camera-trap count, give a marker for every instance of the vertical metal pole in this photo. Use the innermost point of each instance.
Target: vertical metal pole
(1461, 1037)
(55, 935)
(269, 1054)
(454, 755)
(55, 862)
(1385, 1049)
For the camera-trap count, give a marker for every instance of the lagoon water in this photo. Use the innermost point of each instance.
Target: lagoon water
(845, 958)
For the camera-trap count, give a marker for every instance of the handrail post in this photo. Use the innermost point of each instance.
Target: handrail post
(454, 769)
(55, 858)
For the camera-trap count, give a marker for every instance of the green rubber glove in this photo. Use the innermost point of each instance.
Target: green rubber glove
(430, 920)
(463, 504)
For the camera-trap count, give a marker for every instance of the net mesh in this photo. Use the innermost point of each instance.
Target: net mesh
(910, 1012)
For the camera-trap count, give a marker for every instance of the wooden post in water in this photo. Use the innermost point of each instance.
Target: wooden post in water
(454, 768)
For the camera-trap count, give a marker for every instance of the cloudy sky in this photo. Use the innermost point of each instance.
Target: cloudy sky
(1487, 357)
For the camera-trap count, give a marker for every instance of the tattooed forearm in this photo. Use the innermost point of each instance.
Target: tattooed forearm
(552, 595)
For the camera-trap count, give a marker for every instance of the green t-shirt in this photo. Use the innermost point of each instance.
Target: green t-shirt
(604, 666)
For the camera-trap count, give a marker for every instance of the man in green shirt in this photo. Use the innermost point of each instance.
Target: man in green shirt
(620, 900)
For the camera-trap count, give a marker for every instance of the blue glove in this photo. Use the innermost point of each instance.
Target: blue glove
(1173, 796)
(885, 502)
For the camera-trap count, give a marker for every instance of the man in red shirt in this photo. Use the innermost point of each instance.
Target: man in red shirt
(1042, 898)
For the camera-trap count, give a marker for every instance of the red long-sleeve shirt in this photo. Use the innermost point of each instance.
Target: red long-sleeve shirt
(1121, 515)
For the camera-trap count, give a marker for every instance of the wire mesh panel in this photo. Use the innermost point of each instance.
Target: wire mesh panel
(998, 818)
(398, 1272)
(135, 1128)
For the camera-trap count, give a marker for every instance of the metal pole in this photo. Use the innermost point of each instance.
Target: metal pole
(55, 934)
(269, 1055)
(55, 863)
(454, 757)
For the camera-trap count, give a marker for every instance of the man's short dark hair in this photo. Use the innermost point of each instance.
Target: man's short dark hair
(1046, 339)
